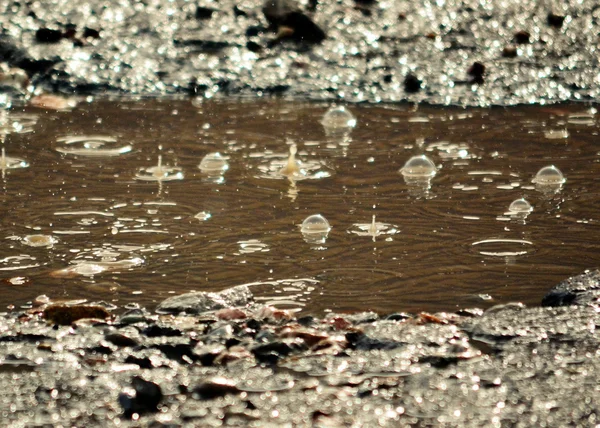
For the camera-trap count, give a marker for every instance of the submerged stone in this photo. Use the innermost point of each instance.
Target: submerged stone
(199, 302)
(577, 290)
(66, 315)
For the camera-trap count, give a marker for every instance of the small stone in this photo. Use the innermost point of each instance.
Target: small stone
(253, 47)
(145, 397)
(91, 33)
(522, 37)
(555, 20)
(204, 12)
(47, 35)
(199, 302)
(476, 71)
(158, 331)
(216, 387)
(412, 83)
(120, 340)
(239, 12)
(510, 52)
(66, 315)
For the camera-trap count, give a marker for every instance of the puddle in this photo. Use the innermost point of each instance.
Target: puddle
(419, 209)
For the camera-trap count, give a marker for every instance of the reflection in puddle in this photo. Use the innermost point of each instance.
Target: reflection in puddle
(91, 268)
(289, 294)
(556, 134)
(19, 262)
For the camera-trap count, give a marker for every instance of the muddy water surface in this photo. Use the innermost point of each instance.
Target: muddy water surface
(112, 201)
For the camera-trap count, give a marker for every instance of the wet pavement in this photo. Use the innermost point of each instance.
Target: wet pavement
(251, 365)
(503, 52)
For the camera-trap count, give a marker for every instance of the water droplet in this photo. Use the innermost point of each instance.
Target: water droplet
(159, 173)
(520, 206)
(213, 164)
(315, 229)
(292, 167)
(549, 175)
(338, 120)
(92, 145)
(373, 229)
(8, 162)
(418, 167)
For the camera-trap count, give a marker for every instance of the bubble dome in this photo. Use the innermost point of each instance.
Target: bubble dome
(338, 119)
(213, 163)
(549, 175)
(520, 206)
(419, 167)
(315, 223)
(315, 229)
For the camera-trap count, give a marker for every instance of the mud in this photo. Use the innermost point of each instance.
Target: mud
(256, 366)
(446, 52)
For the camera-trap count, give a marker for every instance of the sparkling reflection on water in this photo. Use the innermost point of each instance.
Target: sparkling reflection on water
(81, 223)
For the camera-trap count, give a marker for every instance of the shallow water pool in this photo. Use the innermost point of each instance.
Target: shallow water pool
(107, 201)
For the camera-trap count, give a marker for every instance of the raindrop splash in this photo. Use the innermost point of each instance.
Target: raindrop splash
(292, 167)
(92, 146)
(159, 173)
(338, 120)
(373, 229)
(315, 229)
(47, 241)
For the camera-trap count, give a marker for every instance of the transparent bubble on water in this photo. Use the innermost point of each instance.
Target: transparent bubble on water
(213, 164)
(338, 120)
(549, 175)
(418, 167)
(315, 229)
(520, 206)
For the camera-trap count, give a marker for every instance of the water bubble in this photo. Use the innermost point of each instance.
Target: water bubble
(549, 175)
(418, 167)
(520, 206)
(338, 120)
(213, 164)
(315, 229)
(91, 145)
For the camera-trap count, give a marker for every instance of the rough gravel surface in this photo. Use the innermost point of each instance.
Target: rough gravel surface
(464, 52)
(256, 366)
